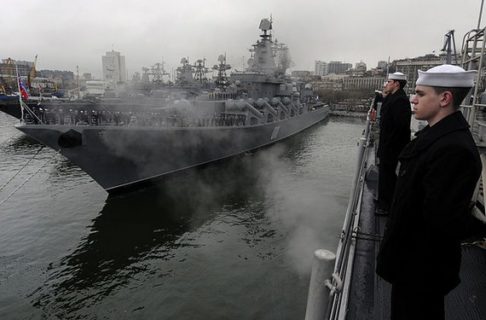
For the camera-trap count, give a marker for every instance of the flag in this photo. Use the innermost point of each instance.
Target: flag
(23, 91)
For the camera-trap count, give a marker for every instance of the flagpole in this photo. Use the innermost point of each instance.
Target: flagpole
(23, 106)
(20, 94)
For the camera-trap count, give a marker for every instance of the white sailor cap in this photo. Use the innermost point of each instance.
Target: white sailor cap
(397, 76)
(447, 76)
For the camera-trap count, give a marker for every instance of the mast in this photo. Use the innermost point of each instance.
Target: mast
(480, 14)
(263, 51)
(448, 43)
(77, 81)
(222, 80)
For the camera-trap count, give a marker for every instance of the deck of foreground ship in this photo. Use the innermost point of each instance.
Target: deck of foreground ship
(369, 295)
(355, 291)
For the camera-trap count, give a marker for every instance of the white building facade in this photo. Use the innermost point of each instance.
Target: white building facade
(114, 70)
(320, 68)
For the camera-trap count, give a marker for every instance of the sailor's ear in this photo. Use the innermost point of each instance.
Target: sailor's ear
(446, 99)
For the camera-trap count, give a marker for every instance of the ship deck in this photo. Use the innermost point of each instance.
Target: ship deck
(370, 295)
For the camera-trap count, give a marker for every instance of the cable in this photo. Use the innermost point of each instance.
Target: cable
(22, 184)
(23, 167)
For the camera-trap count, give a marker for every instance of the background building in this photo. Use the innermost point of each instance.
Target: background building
(7, 67)
(320, 68)
(338, 67)
(363, 83)
(360, 68)
(301, 74)
(114, 71)
(410, 67)
(382, 65)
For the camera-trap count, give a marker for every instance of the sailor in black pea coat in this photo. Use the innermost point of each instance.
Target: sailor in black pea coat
(420, 253)
(394, 136)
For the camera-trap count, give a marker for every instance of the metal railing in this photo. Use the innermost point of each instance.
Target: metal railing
(328, 292)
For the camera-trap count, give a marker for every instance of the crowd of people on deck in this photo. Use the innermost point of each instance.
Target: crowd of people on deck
(128, 118)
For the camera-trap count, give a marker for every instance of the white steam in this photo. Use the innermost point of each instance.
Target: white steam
(305, 210)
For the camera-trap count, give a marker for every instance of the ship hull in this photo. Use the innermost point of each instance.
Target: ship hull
(11, 106)
(125, 157)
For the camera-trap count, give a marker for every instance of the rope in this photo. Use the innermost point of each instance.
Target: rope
(26, 107)
(26, 180)
(23, 183)
(23, 167)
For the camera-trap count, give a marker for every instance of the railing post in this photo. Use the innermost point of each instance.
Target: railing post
(319, 293)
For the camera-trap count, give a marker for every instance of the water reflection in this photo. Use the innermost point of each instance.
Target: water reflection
(19, 144)
(299, 143)
(133, 230)
(142, 235)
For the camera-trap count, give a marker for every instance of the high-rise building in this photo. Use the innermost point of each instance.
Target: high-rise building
(382, 65)
(338, 67)
(320, 68)
(114, 70)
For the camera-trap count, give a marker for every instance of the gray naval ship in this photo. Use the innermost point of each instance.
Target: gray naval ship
(248, 110)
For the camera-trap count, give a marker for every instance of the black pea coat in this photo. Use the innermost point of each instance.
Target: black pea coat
(395, 118)
(430, 215)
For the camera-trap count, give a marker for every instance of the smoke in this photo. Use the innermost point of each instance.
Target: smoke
(299, 204)
(305, 210)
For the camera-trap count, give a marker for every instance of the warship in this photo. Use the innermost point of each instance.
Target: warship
(244, 111)
(151, 93)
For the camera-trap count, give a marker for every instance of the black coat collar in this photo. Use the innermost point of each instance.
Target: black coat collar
(399, 94)
(428, 135)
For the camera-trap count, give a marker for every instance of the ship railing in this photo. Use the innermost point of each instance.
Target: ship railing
(474, 109)
(88, 117)
(331, 273)
(221, 95)
(473, 53)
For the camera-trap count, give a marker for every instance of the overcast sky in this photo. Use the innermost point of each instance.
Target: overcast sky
(67, 33)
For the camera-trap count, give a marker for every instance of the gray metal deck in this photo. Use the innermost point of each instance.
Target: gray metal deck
(370, 295)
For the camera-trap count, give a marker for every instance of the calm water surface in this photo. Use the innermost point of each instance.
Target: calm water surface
(232, 241)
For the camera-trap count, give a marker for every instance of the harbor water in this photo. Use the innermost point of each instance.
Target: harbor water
(230, 241)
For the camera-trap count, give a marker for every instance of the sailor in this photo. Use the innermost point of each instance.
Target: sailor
(395, 118)
(420, 254)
